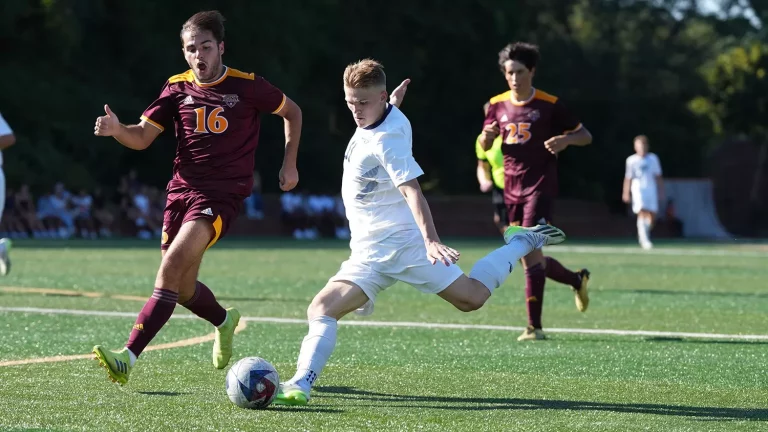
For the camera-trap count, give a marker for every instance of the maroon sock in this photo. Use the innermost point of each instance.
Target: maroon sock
(203, 304)
(558, 273)
(534, 293)
(153, 316)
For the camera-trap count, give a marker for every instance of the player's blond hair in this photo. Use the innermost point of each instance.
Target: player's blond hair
(365, 73)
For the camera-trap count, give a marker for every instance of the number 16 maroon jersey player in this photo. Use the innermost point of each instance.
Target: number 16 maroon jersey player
(214, 111)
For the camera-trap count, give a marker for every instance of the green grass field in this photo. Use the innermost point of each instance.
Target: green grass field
(404, 378)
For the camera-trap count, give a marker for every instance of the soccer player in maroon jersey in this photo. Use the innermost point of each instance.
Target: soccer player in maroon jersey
(215, 111)
(535, 127)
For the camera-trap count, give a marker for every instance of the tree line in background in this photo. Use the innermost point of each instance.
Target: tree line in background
(660, 68)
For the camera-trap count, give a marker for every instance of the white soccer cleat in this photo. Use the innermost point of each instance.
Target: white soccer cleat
(538, 236)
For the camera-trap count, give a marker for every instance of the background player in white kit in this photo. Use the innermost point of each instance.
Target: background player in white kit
(644, 187)
(7, 139)
(393, 235)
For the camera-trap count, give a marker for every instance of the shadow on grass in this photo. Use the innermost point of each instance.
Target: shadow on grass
(690, 293)
(705, 341)
(163, 393)
(309, 409)
(482, 404)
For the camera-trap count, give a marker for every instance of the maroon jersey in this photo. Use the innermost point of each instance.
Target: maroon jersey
(217, 128)
(529, 168)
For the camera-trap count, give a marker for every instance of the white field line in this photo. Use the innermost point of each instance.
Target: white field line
(407, 324)
(169, 345)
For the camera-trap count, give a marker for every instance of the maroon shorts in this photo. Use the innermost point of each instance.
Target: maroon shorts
(184, 205)
(533, 211)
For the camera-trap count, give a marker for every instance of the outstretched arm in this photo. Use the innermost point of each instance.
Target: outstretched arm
(411, 190)
(136, 137)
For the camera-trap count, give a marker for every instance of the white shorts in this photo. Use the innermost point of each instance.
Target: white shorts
(407, 263)
(645, 199)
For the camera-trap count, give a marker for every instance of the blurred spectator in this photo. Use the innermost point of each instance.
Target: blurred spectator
(53, 210)
(340, 215)
(124, 191)
(314, 216)
(81, 212)
(322, 221)
(144, 218)
(156, 205)
(254, 205)
(25, 208)
(134, 185)
(102, 215)
(11, 225)
(293, 214)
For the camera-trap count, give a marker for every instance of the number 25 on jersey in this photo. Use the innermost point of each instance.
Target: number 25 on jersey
(215, 123)
(519, 133)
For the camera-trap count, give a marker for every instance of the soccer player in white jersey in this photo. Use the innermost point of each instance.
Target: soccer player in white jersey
(393, 237)
(644, 187)
(7, 139)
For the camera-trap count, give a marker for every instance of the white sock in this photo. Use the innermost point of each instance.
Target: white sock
(226, 317)
(642, 233)
(493, 269)
(132, 356)
(647, 227)
(316, 348)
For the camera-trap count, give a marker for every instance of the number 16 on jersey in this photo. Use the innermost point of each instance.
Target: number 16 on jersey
(215, 123)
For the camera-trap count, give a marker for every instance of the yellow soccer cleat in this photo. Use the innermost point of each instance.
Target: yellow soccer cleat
(117, 363)
(222, 345)
(531, 333)
(581, 295)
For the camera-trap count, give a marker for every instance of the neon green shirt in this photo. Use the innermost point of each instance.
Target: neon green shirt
(495, 158)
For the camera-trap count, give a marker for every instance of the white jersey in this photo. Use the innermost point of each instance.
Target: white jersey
(4, 130)
(378, 159)
(643, 171)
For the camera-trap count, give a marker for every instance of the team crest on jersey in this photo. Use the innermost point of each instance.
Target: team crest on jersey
(534, 115)
(230, 100)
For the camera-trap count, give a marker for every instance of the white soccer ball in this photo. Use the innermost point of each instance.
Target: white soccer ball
(252, 383)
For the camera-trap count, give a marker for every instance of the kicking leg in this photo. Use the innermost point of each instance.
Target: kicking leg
(470, 293)
(185, 252)
(336, 300)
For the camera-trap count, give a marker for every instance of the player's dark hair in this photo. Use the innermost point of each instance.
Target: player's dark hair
(525, 53)
(212, 21)
(642, 138)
